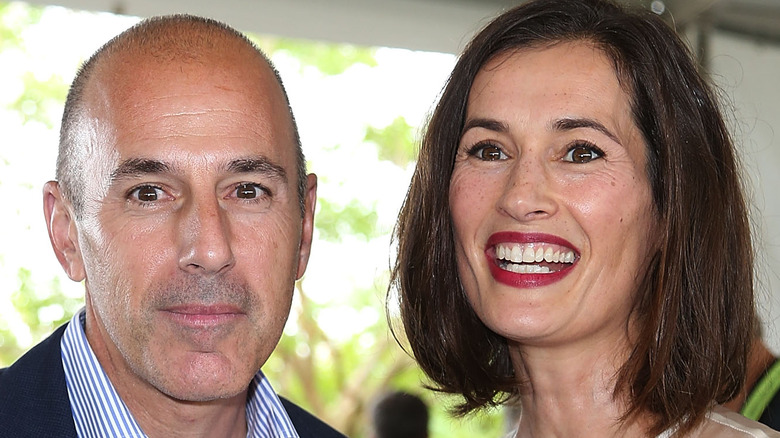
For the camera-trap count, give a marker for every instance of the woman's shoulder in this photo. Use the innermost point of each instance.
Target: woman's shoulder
(724, 423)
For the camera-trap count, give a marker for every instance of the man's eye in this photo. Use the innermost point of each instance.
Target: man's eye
(583, 153)
(488, 152)
(248, 191)
(146, 193)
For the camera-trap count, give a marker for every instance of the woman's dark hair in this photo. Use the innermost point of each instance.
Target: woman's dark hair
(695, 306)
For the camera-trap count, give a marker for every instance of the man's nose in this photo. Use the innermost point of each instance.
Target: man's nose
(205, 238)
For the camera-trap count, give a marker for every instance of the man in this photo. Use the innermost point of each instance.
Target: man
(183, 204)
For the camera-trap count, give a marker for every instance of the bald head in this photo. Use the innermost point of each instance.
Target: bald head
(131, 61)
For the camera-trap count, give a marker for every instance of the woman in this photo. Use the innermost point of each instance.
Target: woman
(575, 237)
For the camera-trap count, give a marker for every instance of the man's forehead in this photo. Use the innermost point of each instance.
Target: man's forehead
(130, 72)
(149, 100)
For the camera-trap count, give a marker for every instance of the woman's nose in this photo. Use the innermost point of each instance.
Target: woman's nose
(527, 194)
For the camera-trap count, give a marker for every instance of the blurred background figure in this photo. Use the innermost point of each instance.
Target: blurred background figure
(399, 414)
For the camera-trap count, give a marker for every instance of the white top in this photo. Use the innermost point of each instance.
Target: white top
(720, 423)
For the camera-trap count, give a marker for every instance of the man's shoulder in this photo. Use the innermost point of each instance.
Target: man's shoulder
(33, 394)
(40, 363)
(306, 424)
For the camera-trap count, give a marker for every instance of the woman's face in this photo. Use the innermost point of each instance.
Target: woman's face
(550, 198)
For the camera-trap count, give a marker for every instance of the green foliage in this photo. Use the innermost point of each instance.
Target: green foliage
(330, 59)
(33, 303)
(15, 17)
(42, 309)
(395, 142)
(39, 97)
(334, 221)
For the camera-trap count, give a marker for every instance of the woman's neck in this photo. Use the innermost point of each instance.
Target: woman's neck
(570, 391)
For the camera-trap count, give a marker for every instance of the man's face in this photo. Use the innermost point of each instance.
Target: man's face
(192, 247)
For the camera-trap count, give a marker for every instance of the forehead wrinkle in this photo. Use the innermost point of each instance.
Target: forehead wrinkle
(183, 112)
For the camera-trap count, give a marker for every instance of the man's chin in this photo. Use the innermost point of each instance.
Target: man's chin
(207, 397)
(205, 377)
(206, 393)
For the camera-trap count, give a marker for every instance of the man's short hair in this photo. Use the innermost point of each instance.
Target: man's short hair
(172, 38)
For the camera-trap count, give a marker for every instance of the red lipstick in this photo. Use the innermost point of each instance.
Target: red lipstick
(529, 280)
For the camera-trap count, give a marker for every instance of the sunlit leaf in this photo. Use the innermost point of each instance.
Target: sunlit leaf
(395, 142)
(335, 221)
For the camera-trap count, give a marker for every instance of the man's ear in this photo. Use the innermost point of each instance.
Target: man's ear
(63, 233)
(310, 201)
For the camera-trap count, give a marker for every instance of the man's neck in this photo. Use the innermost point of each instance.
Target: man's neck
(175, 418)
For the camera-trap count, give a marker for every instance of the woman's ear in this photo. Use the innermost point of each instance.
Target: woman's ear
(63, 233)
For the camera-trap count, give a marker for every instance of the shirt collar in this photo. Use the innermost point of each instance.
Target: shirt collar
(98, 411)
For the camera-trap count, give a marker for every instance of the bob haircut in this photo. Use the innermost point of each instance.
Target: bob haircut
(695, 305)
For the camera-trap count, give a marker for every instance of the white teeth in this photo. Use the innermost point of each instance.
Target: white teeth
(528, 255)
(527, 269)
(517, 253)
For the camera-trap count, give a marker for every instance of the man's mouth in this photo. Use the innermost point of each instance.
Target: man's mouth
(533, 258)
(202, 316)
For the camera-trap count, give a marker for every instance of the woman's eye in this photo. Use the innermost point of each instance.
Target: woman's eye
(146, 193)
(583, 153)
(488, 152)
(248, 191)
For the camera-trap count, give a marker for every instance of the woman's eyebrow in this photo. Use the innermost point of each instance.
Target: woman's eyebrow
(568, 124)
(489, 124)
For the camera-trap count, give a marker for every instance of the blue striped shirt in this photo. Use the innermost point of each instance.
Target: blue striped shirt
(99, 412)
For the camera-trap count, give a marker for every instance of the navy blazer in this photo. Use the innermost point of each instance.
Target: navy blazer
(34, 399)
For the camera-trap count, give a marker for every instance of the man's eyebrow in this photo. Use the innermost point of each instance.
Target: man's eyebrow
(489, 124)
(568, 124)
(257, 165)
(134, 167)
(138, 166)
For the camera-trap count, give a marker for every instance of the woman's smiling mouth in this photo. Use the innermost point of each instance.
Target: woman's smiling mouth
(527, 260)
